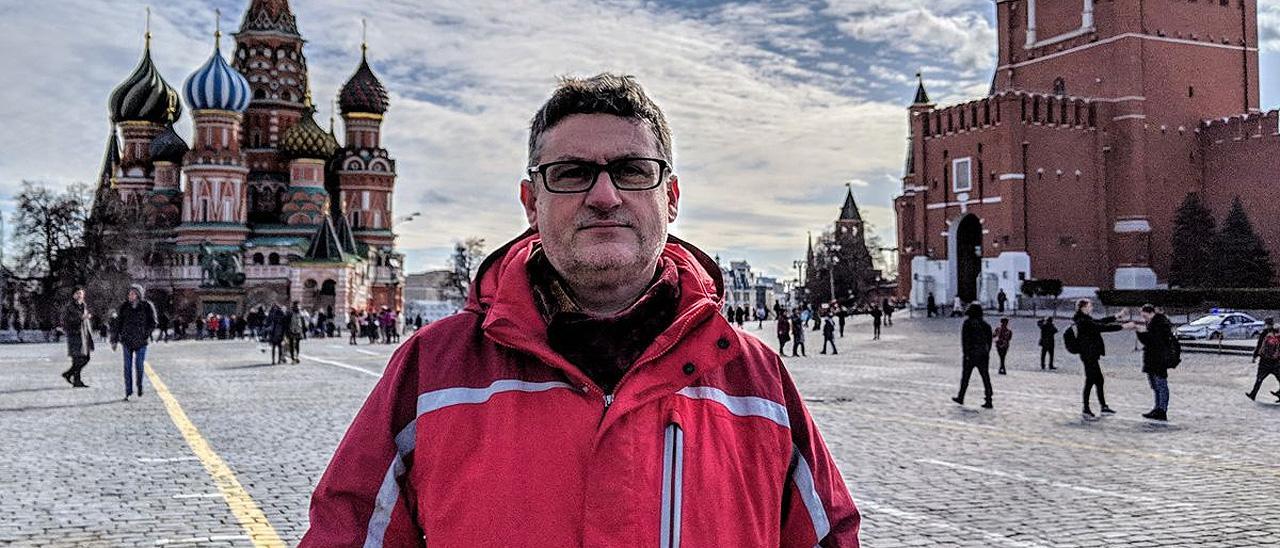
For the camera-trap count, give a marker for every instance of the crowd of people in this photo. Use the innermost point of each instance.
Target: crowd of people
(138, 322)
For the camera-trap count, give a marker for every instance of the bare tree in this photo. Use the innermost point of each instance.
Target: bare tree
(47, 226)
(467, 256)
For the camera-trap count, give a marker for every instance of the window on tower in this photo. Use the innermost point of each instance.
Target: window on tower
(962, 174)
(1059, 87)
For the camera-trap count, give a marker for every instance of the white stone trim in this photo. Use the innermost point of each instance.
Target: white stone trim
(1086, 26)
(1121, 37)
(1012, 176)
(1132, 225)
(975, 201)
(1129, 117)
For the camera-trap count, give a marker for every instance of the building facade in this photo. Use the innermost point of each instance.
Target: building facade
(1102, 116)
(264, 206)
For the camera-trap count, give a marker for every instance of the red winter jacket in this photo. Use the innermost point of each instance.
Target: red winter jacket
(480, 435)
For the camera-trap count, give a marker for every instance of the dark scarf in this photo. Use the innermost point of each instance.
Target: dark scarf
(603, 347)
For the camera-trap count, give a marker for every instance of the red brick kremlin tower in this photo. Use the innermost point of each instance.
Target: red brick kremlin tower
(1103, 115)
(264, 206)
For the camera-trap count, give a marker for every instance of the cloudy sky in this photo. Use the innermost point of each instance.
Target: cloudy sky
(775, 105)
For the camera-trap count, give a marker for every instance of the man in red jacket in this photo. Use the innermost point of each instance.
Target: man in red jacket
(590, 394)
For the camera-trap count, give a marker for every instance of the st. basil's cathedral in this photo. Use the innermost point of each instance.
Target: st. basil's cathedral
(264, 206)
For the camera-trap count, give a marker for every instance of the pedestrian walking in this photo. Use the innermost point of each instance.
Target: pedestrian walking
(797, 337)
(784, 333)
(276, 326)
(975, 348)
(353, 327)
(1084, 338)
(762, 314)
(589, 394)
(1267, 354)
(135, 319)
(297, 331)
(875, 322)
(1159, 355)
(1047, 333)
(931, 306)
(1001, 299)
(887, 307)
(1003, 337)
(829, 335)
(957, 307)
(842, 315)
(79, 329)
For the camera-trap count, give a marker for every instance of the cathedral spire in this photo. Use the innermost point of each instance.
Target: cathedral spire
(270, 16)
(922, 97)
(850, 210)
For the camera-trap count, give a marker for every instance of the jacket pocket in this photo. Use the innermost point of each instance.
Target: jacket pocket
(672, 485)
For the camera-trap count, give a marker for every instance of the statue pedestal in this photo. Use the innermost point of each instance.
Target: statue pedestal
(220, 300)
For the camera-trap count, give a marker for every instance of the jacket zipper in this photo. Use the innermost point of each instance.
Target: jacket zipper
(672, 486)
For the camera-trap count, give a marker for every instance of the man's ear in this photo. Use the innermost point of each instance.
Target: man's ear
(529, 199)
(673, 199)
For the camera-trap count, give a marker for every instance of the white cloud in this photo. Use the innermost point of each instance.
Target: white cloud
(765, 141)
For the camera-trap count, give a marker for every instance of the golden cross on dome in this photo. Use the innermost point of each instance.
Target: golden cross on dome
(364, 36)
(217, 26)
(148, 35)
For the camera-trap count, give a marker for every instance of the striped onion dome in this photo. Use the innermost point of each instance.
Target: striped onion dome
(168, 146)
(306, 140)
(217, 86)
(144, 96)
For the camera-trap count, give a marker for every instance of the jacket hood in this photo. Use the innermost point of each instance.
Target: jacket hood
(142, 293)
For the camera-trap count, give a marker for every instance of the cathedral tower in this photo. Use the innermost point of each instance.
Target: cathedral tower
(215, 203)
(366, 173)
(141, 107)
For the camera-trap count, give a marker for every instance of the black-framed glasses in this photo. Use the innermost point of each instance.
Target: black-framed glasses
(576, 176)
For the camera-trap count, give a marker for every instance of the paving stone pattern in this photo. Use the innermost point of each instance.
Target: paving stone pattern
(82, 468)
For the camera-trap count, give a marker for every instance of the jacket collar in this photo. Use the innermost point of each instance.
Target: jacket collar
(698, 340)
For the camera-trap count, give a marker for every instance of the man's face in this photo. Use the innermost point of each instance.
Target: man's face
(133, 296)
(1146, 316)
(604, 234)
(78, 295)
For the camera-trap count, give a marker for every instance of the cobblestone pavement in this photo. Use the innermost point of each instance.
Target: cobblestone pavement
(82, 468)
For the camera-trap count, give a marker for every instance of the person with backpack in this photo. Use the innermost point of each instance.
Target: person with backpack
(1267, 354)
(1003, 337)
(784, 332)
(1084, 338)
(1047, 331)
(1160, 353)
(975, 347)
(829, 335)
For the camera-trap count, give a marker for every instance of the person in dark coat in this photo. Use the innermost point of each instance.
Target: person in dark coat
(1089, 340)
(277, 324)
(1157, 347)
(931, 306)
(79, 330)
(887, 308)
(975, 346)
(1267, 365)
(784, 332)
(1001, 299)
(829, 335)
(134, 322)
(1047, 332)
(1003, 338)
(876, 314)
(797, 339)
(842, 315)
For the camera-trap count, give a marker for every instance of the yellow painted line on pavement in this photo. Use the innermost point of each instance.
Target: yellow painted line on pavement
(238, 500)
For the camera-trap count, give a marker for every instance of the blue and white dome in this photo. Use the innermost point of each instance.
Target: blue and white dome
(217, 86)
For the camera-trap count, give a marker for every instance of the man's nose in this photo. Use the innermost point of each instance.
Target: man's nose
(604, 195)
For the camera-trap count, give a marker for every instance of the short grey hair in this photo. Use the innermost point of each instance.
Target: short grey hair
(605, 93)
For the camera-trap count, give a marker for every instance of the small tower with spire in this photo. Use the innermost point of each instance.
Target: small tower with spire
(214, 205)
(141, 107)
(366, 173)
(309, 149)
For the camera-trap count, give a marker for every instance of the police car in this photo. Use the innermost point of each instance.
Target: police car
(1219, 325)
